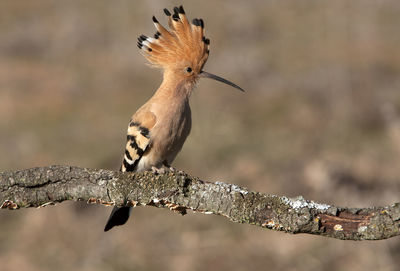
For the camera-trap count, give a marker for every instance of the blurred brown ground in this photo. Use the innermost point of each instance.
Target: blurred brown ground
(320, 118)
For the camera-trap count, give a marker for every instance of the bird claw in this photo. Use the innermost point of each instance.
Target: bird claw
(176, 171)
(161, 170)
(165, 169)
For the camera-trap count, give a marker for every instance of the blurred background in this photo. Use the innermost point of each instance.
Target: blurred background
(320, 118)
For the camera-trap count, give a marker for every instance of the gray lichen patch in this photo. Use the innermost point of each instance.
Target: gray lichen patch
(394, 211)
(299, 203)
(232, 188)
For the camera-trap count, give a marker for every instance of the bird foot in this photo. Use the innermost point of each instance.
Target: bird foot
(176, 171)
(161, 170)
(165, 169)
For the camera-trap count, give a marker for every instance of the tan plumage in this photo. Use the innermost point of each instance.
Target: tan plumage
(158, 130)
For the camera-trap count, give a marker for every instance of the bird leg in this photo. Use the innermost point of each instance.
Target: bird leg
(161, 170)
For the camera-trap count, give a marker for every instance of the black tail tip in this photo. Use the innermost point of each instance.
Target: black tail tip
(119, 216)
(107, 227)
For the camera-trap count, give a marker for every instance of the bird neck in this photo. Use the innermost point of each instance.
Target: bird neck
(175, 87)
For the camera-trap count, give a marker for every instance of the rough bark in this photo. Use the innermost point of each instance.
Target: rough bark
(179, 191)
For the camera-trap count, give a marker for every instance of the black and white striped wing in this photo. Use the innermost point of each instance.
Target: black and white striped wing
(138, 141)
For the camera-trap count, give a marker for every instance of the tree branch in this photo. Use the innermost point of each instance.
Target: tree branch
(178, 191)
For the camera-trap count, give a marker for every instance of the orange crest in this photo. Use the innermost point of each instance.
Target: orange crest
(183, 45)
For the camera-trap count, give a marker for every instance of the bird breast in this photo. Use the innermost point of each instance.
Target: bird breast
(172, 127)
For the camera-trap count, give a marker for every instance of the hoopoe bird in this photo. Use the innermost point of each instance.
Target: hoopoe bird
(158, 129)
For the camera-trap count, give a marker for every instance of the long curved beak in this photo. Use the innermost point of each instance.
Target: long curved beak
(215, 77)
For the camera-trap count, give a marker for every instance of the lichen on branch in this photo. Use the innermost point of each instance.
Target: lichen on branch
(179, 192)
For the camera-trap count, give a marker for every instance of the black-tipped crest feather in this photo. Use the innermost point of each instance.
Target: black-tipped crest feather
(166, 11)
(175, 17)
(196, 22)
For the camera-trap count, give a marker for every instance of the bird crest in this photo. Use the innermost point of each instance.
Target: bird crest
(183, 45)
(183, 49)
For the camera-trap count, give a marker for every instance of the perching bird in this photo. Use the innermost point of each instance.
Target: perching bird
(159, 128)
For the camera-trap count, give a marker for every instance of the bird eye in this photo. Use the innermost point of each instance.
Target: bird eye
(189, 70)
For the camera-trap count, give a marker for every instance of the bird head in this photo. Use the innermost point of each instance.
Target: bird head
(182, 50)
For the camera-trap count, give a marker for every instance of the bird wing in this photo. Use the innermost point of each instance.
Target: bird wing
(138, 142)
(138, 138)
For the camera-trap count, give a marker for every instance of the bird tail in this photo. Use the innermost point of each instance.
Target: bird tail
(118, 216)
